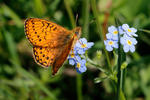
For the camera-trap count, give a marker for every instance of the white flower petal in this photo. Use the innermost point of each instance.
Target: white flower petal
(133, 30)
(83, 40)
(126, 48)
(115, 45)
(109, 35)
(122, 40)
(125, 26)
(109, 48)
(134, 34)
(90, 44)
(134, 41)
(111, 29)
(132, 48)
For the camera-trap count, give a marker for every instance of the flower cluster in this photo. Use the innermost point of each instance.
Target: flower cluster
(79, 49)
(127, 39)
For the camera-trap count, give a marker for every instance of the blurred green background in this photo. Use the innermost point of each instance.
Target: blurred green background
(22, 79)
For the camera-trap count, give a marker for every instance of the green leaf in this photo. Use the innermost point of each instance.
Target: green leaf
(98, 79)
(122, 97)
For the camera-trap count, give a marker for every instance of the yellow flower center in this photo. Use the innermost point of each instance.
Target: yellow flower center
(78, 65)
(83, 45)
(129, 42)
(115, 32)
(129, 30)
(72, 55)
(110, 42)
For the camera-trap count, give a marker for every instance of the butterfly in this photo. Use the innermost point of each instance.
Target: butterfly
(51, 42)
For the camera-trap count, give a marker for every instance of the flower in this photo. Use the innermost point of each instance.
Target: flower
(73, 56)
(80, 66)
(82, 45)
(110, 44)
(113, 33)
(127, 39)
(129, 31)
(121, 31)
(79, 49)
(128, 43)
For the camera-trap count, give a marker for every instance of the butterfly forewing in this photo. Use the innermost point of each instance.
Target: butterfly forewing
(45, 33)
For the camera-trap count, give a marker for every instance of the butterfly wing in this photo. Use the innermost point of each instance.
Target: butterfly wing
(45, 33)
(58, 62)
(55, 57)
(45, 56)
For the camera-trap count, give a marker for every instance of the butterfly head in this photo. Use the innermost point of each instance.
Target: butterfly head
(77, 32)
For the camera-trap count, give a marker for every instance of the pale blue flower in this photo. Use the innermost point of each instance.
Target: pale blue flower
(128, 43)
(80, 66)
(129, 31)
(121, 31)
(113, 33)
(82, 45)
(73, 56)
(110, 44)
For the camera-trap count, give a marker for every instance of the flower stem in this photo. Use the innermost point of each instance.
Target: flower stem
(99, 28)
(70, 13)
(85, 18)
(79, 86)
(96, 65)
(121, 72)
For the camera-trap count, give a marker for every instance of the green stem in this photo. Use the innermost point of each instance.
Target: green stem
(121, 72)
(79, 77)
(79, 86)
(99, 28)
(85, 17)
(119, 85)
(94, 64)
(70, 13)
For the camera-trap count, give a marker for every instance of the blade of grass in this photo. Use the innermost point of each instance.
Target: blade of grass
(17, 64)
(85, 17)
(70, 13)
(39, 7)
(10, 13)
(99, 28)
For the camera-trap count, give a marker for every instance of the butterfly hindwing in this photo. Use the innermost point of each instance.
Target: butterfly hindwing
(63, 56)
(45, 56)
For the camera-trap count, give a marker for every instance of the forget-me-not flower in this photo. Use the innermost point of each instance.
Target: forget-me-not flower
(127, 39)
(128, 43)
(129, 31)
(113, 33)
(80, 66)
(110, 44)
(121, 31)
(74, 57)
(82, 45)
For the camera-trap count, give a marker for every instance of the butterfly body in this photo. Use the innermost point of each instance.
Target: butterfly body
(51, 42)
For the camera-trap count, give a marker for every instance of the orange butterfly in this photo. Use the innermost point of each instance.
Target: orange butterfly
(51, 42)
